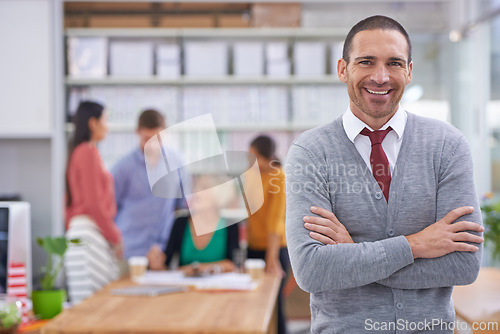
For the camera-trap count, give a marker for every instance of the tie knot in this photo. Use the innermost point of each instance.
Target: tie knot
(377, 136)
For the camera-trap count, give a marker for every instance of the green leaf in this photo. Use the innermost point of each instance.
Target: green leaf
(55, 247)
(75, 241)
(491, 220)
(496, 207)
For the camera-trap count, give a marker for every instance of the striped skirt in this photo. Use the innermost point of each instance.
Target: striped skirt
(90, 265)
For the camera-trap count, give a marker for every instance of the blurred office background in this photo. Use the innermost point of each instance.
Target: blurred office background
(266, 67)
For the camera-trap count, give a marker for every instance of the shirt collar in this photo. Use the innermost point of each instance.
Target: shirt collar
(353, 125)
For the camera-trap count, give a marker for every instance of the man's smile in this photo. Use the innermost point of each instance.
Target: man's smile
(378, 92)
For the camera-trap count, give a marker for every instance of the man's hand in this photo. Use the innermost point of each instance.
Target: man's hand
(273, 267)
(156, 258)
(444, 237)
(273, 264)
(326, 228)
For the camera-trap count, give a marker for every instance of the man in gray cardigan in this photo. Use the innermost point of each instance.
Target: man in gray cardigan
(382, 216)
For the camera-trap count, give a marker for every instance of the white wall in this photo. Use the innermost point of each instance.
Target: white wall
(27, 110)
(25, 169)
(26, 66)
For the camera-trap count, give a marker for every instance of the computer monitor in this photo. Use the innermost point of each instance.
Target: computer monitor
(4, 242)
(15, 242)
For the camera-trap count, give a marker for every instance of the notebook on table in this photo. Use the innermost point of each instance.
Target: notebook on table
(147, 290)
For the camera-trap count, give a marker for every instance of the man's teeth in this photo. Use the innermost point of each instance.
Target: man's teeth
(377, 93)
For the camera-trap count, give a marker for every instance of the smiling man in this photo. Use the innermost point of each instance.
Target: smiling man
(382, 216)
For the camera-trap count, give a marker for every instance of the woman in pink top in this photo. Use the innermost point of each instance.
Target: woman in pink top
(90, 208)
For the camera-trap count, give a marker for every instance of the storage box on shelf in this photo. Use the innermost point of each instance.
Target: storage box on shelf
(276, 14)
(250, 80)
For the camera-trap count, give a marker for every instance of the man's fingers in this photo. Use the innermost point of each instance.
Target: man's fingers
(326, 214)
(322, 212)
(321, 229)
(320, 221)
(466, 226)
(468, 237)
(463, 247)
(457, 213)
(322, 238)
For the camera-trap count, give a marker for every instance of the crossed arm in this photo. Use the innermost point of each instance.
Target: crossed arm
(440, 255)
(443, 242)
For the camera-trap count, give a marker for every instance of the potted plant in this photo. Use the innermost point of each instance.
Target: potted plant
(10, 315)
(48, 302)
(491, 220)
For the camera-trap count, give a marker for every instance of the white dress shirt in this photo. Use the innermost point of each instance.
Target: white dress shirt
(391, 144)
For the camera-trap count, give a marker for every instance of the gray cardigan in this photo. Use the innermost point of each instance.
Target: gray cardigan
(375, 285)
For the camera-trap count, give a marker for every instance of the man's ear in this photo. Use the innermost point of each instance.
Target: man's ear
(342, 70)
(410, 73)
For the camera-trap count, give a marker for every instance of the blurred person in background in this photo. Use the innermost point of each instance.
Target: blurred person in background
(144, 219)
(266, 227)
(90, 208)
(198, 253)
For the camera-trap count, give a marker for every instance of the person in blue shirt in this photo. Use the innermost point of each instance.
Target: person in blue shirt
(144, 219)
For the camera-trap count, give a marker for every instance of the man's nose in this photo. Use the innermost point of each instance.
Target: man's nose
(380, 74)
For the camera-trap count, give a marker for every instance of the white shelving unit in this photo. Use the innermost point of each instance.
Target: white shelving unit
(213, 81)
(300, 92)
(25, 134)
(266, 33)
(127, 128)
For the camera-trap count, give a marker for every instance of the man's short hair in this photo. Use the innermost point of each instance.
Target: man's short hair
(151, 119)
(373, 23)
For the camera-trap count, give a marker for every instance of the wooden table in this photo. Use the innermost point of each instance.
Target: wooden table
(242, 312)
(479, 303)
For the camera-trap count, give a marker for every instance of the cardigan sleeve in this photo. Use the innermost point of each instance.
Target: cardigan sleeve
(318, 267)
(455, 189)
(95, 187)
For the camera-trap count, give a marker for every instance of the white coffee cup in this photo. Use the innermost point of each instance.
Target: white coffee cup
(255, 268)
(137, 266)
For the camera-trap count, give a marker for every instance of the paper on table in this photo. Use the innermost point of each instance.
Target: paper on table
(226, 281)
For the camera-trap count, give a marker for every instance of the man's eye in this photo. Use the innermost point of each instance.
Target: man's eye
(395, 63)
(365, 62)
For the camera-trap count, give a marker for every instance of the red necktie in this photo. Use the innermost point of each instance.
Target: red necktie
(378, 159)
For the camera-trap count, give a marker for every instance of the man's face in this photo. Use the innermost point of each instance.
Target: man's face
(145, 134)
(376, 75)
